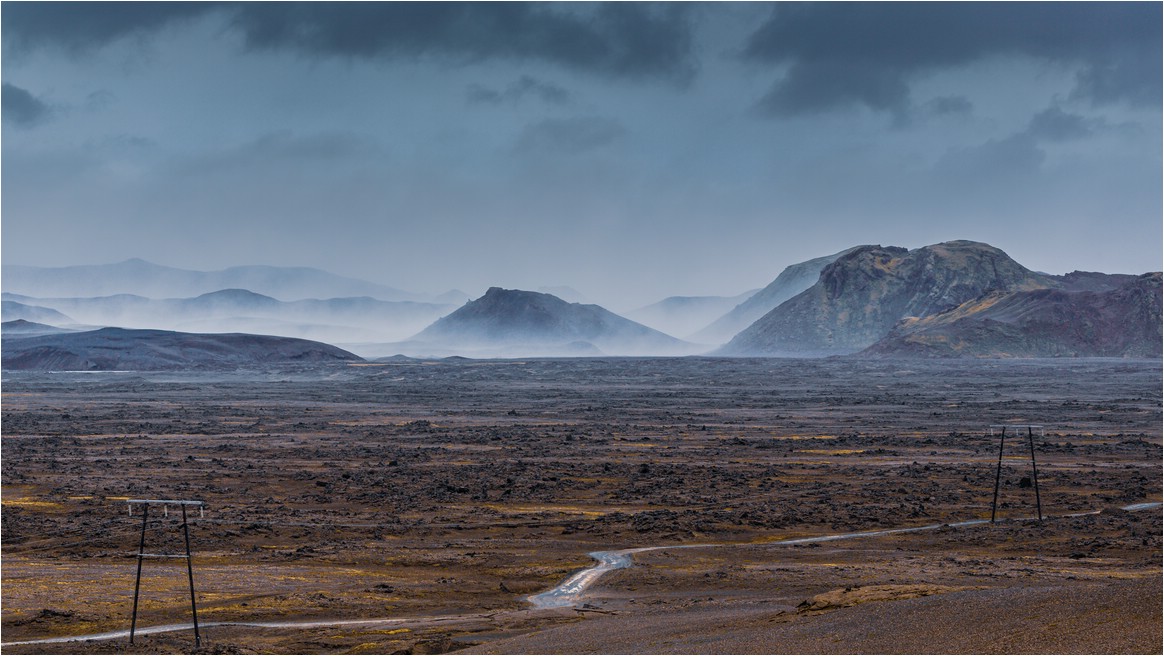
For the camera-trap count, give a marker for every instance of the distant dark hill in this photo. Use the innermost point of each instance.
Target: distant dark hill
(15, 310)
(1120, 322)
(110, 349)
(792, 280)
(521, 322)
(861, 296)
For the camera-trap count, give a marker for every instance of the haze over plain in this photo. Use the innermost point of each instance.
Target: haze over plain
(629, 151)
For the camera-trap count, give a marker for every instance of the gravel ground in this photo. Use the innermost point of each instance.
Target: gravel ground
(1115, 616)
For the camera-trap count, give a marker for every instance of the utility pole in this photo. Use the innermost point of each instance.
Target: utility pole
(141, 554)
(1034, 470)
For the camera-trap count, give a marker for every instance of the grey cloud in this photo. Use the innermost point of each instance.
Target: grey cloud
(948, 105)
(998, 162)
(620, 39)
(526, 85)
(569, 136)
(21, 108)
(1054, 124)
(1128, 78)
(630, 40)
(812, 86)
(1020, 152)
(1118, 44)
(78, 27)
(284, 146)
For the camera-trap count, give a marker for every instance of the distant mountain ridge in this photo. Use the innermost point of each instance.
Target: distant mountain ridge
(534, 323)
(142, 278)
(117, 349)
(239, 310)
(683, 315)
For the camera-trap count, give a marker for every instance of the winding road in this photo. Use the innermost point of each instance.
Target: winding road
(568, 593)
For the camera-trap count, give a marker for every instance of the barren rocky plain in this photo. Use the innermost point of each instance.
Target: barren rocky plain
(416, 506)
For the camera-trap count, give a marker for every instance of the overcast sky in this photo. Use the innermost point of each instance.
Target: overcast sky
(631, 151)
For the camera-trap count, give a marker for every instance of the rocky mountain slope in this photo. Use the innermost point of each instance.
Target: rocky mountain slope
(862, 295)
(791, 281)
(118, 349)
(1120, 322)
(515, 322)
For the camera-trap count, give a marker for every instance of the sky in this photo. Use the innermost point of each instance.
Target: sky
(629, 151)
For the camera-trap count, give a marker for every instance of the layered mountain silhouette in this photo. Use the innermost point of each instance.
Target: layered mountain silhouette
(515, 322)
(22, 328)
(792, 280)
(860, 297)
(119, 349)
(238, 310)
(15, 310)
(683, 315)
(1124, 321)
(142, 278)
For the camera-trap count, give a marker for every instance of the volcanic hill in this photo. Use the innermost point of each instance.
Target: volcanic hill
(862, 295)
(110, 349)
(794, 279)
(1120, 322)
(519, 322)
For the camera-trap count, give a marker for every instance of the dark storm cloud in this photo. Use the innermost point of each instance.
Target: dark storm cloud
(526, 85)
(630, 40)
(843, 54)
(81, 26)
(21, 108)
(569, 135)
(622, 39)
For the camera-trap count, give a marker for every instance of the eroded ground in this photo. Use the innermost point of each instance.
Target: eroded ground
(442, 494)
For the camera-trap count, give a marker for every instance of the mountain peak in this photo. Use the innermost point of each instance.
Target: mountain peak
(534, 322)
(865, 292)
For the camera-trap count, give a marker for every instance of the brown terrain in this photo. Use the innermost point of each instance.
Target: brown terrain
(414, 506)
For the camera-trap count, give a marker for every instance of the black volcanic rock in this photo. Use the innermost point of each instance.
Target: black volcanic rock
(151, 350)
(861, 296)
(537, 323)
(792, 280)
(1121, 322)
